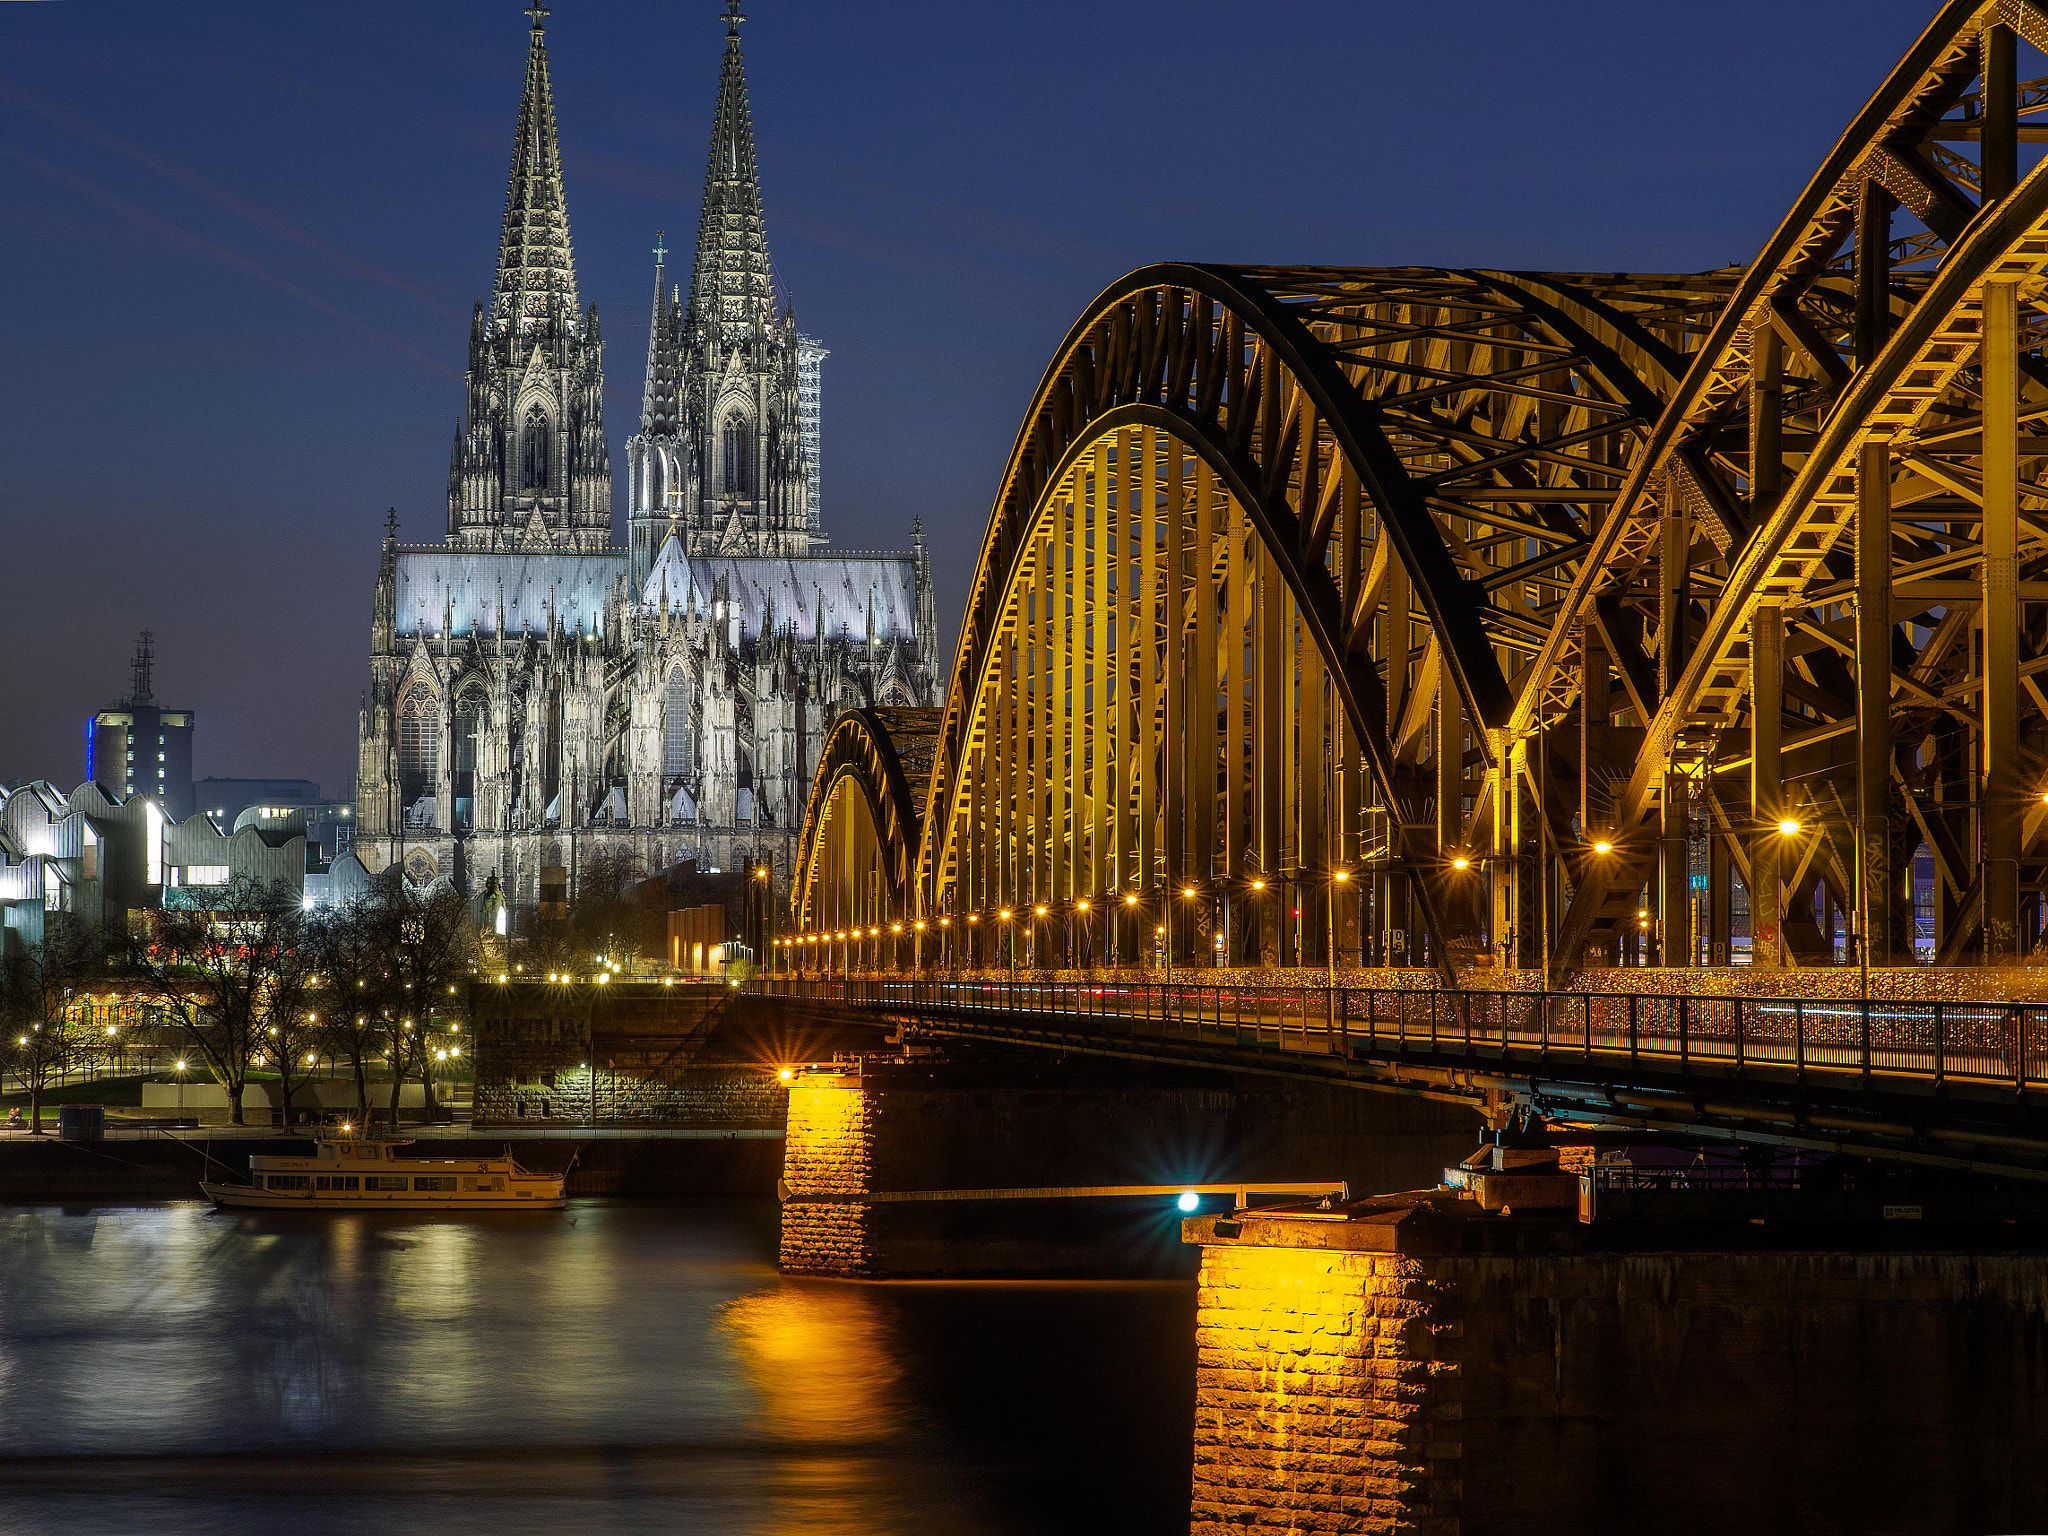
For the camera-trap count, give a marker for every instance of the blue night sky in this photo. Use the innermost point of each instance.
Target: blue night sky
(243, 241)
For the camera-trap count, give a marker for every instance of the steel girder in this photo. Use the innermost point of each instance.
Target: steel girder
(1888, 581)
(875, 764)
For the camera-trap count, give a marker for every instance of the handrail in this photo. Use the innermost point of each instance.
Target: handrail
(1688, 1033)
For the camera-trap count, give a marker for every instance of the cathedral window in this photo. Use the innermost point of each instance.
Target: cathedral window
(419, 732)
(469, 722)
(534, 463)
(737, 454)
(679, 755)
(418, 728)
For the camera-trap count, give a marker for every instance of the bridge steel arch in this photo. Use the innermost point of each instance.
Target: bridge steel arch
(1271, 548)
(860, 828)
(1535, 605)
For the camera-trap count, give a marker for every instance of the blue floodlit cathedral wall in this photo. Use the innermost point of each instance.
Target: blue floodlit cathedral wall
(537, 694)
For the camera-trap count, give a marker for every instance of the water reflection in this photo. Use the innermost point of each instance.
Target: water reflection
(620, 1367)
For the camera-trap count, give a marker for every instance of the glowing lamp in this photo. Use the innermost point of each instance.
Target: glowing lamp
(1603, 846)
(1188, 1200)
(1788, 828)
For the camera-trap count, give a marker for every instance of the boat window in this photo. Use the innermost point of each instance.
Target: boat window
(343, 1181)
(435, 1184)
(388, 1181)
(289, 1181)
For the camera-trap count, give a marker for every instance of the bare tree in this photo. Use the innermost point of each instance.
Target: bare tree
(287, 1042)
(432, 946)
(41, 990)
(349, 952)
(222, 977)
(604, 919)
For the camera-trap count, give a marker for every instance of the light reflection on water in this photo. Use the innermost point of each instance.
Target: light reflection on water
(620, 1367)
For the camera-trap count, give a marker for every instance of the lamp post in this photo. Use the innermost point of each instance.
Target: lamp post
(1257, 885)
(1788, 827)
(1130, 900)
(1087, 939)
(1337, 878)
(1010, 938)
(1187, 893)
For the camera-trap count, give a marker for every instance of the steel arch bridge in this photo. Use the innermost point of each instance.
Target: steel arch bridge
(1410, 615)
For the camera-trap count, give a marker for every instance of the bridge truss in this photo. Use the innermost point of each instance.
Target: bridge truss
(1405, 615)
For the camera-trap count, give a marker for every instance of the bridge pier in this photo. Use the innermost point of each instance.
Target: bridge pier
(881, 1127)
(1417, 1364)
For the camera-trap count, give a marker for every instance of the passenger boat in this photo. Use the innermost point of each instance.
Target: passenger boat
(357, 1173)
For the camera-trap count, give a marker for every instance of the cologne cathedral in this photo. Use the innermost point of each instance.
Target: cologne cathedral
(538, 694)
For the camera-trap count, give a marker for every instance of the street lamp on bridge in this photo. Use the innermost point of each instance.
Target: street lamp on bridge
(1337, 877)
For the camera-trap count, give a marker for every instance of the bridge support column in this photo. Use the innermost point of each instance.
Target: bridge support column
(1766, 736)
(2000, 813)
(1873, 892)
(827, 1162)
(1424, 1366)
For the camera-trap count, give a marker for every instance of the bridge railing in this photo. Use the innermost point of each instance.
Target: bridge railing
(2003, 1044)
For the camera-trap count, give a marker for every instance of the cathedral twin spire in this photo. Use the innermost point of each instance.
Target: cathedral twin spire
(536, 268)
(733, 287)
(531, 468)
(721, 454)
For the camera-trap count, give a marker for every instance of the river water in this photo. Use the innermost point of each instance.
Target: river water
(618, 1367)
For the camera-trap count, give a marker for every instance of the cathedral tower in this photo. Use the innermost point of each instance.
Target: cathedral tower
(540, 699)
(530, 467)
(721, 445)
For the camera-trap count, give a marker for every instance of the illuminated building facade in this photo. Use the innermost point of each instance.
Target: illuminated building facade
(137, 747)
(537, 693)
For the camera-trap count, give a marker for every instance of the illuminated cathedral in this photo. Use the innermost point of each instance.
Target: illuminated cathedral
(538, 693)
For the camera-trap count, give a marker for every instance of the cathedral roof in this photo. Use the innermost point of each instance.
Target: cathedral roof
(733, 284)
(795, 589)
(463, 585)
(536, 269)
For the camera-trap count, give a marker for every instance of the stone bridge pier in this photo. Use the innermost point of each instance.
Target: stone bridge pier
(1420, 1365)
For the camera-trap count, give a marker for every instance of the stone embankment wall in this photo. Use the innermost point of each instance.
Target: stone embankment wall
(1466, 1395)
(41, 1169)
(619, 1055)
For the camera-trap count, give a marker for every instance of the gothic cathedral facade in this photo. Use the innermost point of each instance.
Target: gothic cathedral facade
(538, 694)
